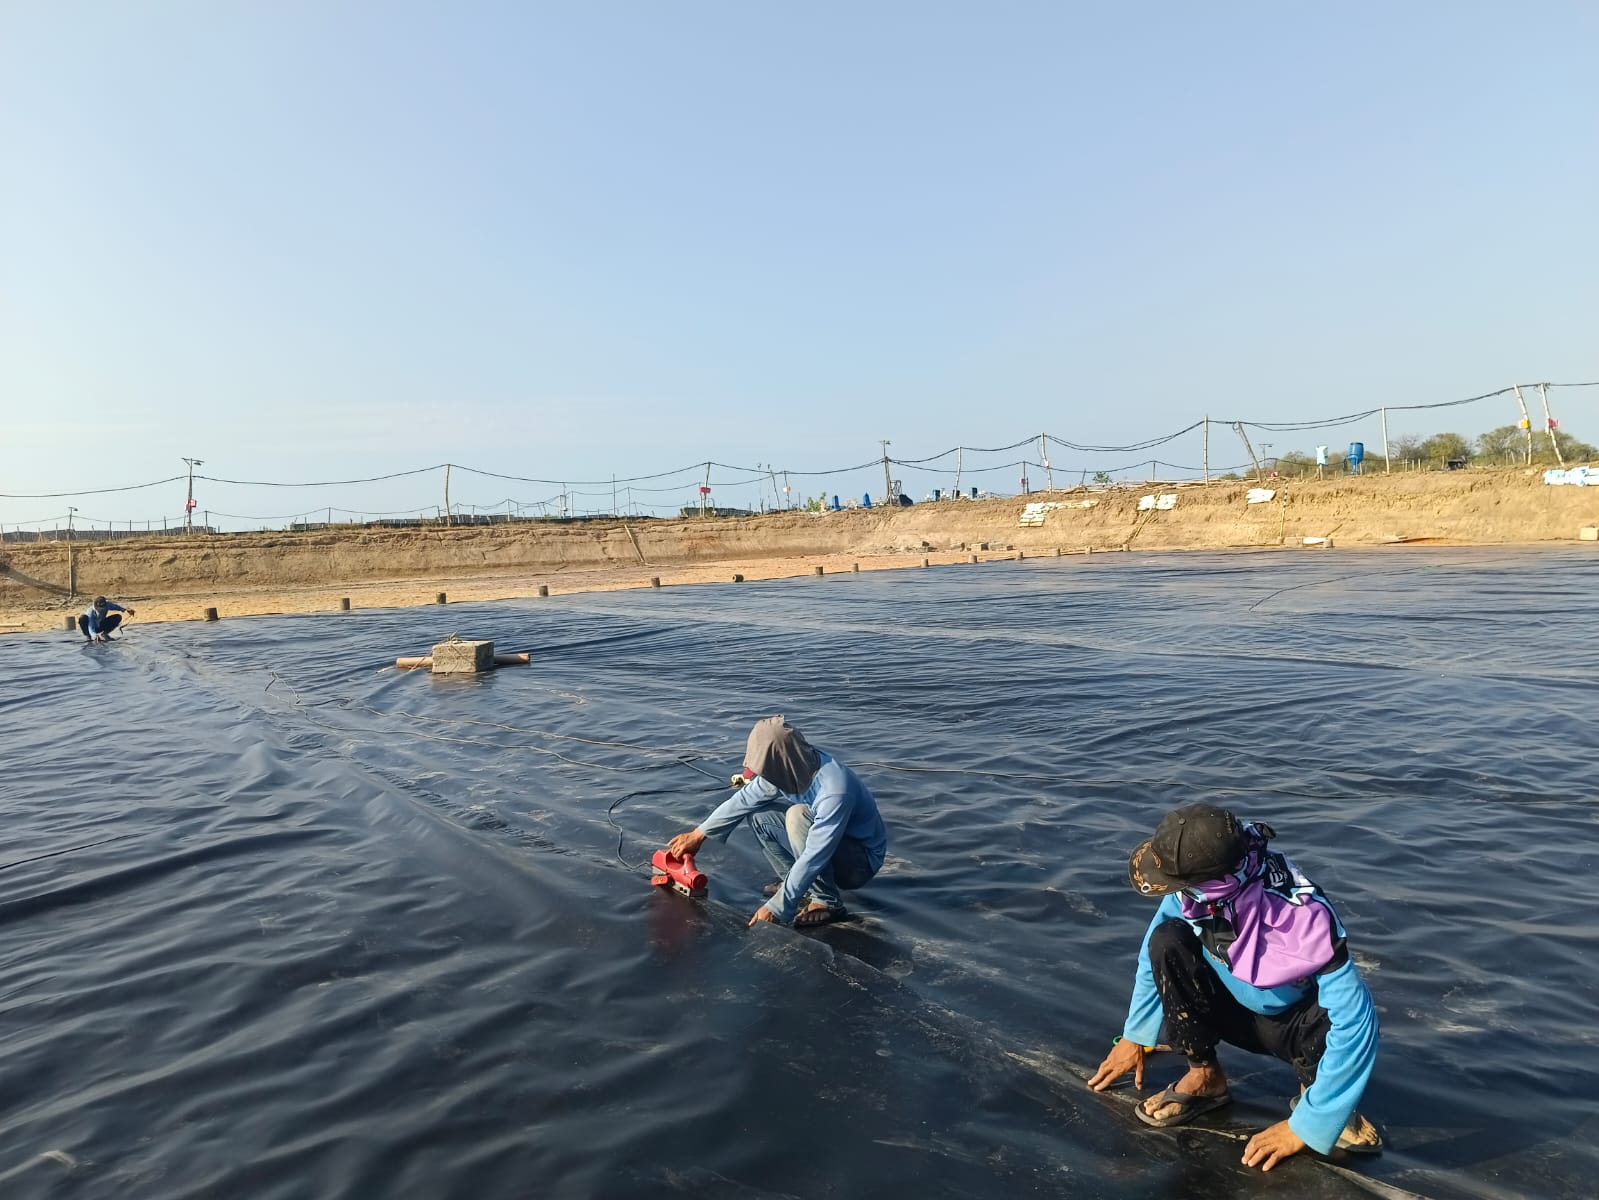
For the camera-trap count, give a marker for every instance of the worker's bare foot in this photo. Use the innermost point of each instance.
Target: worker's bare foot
(1359, 1135)
(1200, 1081)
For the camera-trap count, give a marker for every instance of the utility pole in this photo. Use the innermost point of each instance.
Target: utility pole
(1550, 423)
(72, 566)
(1238, 426)
(888, 484)
(1043, 453)
(188, 506)
(960, 453)
(1526, 421)
(1388, 463)
(1207, 447)
(447, 520)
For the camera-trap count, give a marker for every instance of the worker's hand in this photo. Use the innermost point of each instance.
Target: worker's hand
(763, 914)
(737, 781)
(131, 612)
(1124, 1056)
(685, 843)
(1270, 1146)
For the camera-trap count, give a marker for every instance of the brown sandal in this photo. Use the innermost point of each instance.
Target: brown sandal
(819, 914)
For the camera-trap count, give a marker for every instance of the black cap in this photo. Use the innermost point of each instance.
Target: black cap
(1192, 844)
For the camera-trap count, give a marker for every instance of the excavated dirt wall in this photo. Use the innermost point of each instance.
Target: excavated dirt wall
(1468, 507)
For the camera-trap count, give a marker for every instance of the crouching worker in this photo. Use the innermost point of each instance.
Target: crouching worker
(100, 618)
(816, 821)
(1245, 950)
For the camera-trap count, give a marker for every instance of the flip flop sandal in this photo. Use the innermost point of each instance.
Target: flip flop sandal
(1191, 1107)
(1345, 1142)
(810, 918)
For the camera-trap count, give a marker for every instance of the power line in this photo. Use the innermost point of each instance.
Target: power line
(755, 475)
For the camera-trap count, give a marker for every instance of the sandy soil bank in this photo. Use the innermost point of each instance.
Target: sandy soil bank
(177, 578)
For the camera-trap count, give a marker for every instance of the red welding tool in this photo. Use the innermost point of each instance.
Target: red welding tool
(679, 872)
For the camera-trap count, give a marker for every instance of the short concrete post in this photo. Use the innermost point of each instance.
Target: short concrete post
(1020, 555)
(344, 603)
(856, 568)
(72, 622)
(974, 558)
(655, 581)
(819, 570)
(211, 614)
(544, 589)
(925, 563)
(441, 599)
(738, 579)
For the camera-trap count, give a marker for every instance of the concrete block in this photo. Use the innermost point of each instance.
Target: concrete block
(1588, 533)
(458, 657)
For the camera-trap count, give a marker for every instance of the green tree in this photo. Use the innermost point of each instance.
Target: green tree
(1443, 446)
(1407, 446)
(1507, 443)
(1574, 450)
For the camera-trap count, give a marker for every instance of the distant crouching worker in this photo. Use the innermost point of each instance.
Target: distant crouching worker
(1245, 950)
(100, 618)
(813, 817)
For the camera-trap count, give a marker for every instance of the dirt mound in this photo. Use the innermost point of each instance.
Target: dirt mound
(177, 576)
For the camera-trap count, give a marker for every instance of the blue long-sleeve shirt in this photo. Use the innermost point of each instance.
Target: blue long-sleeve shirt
(841, 806)
(1351, 1051)
(95, 616)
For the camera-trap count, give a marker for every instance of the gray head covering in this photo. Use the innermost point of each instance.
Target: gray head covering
(779, 754)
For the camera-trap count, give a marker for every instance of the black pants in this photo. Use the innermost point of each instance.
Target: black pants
(1200, 1011)
(107, 623)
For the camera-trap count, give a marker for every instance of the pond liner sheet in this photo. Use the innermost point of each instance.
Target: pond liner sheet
(277, 920)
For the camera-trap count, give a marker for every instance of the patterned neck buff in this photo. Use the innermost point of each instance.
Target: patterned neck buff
(1265, 920)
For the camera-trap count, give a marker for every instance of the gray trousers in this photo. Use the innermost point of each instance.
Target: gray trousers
(781, 831)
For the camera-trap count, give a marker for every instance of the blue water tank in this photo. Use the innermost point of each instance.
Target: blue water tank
(866, 499)
(1357, 452)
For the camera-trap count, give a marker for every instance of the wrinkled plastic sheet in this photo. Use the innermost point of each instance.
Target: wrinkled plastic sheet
(277, 920)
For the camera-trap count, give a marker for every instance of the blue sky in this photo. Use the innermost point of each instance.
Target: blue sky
(309, 241)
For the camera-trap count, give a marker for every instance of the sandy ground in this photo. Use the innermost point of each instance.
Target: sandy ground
(408, 593)
(176, 578)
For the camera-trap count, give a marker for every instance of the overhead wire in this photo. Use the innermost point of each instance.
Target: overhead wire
(750, 475)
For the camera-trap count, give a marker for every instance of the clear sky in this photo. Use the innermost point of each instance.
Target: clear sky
(324, 240)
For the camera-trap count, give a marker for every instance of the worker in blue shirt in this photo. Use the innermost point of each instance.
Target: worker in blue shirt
(813, 817)
(1245, 950)
(100, 618)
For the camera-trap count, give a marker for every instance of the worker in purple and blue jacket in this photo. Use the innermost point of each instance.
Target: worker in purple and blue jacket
(1245, 950)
